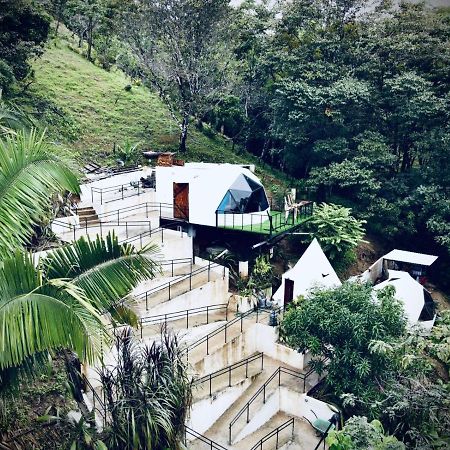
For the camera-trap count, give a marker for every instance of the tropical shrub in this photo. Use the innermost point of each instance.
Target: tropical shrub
(148, 394)
(335, 228)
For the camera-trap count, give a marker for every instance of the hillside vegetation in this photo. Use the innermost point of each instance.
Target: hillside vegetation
(88, 111)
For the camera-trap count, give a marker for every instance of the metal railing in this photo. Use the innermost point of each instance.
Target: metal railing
(268, 222)
(205, 339)
(131, 188)
(149, 233)
(98, 404)
(262, 391)
(182, 314)
(275, 433)
(170, 284)
(229, 369)
(209, 443)
(323, 437)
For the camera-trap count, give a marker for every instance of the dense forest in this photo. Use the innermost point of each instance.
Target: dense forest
(351, 101)
(348, 100)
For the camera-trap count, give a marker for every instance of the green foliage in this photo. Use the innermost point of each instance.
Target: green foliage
(340, 324)
(148, 395)
(128, 152)
(35, 314)
(30, 173)
(335, 228)
(262, 273)
(358, 434)
(180, 48)
(24, 28)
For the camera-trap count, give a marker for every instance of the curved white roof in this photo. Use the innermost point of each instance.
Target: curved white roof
(408, 291)
(410, 257)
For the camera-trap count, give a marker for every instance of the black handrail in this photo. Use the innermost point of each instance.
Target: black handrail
(262, 390)
(95, 399)
(275, 432)
(168, 285)
(224, 328)
(181, 314)
(135, 185)
(263, 222)
(244, 362)
(115, 214)
(323, 437)
(212, 445)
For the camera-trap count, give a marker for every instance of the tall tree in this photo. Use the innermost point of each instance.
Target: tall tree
(181, 50)
(23, 30)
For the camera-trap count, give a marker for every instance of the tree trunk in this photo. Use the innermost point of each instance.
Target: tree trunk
(89, 39)
(184, 133)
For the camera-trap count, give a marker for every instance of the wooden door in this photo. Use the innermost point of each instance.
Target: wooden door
(181, 201)
(288, 291)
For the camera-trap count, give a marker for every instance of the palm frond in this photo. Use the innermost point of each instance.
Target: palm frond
(29, 174)
(36, 316)
(106, 270)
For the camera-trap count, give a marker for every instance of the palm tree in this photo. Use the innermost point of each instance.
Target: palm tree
(61, 303)
(30, 173)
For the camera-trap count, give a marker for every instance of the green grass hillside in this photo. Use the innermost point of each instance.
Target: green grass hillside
(88, 110)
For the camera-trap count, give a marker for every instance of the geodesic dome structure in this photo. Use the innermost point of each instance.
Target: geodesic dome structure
(244, 196)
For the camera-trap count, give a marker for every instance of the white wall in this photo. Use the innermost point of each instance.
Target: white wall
(208, 184)
(257, 338)
(301, 405)
(206, 412)
(258, 417)
(212, 293)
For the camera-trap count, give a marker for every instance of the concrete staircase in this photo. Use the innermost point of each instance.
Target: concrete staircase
(88, 216)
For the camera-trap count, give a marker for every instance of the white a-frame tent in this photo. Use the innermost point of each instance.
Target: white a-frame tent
(312, 270)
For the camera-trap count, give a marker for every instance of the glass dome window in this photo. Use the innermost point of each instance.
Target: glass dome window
(244, 196)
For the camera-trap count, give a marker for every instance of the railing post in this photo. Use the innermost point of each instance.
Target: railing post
(225, 333)
(172, 267)
(122, 191)
(226, 313)
(187, 318)
(207, 344)
(207, 315)
(92, 196)
(141, 328)
(248, 412)
(229, 377)
(229, 434)
(262, 361)
(118, 217)
(101, 231)
(190, 281)
(210, 385)
(276, 445)
(279, 378)
(209, 268)
(169, 290)
(146, 301)
(264, 393)
(101, 196)
(246, 369)
(146, 210)
(242, 318)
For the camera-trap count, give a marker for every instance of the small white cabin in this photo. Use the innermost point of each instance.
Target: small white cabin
(312, 270)
(203, 194)
(416, 300)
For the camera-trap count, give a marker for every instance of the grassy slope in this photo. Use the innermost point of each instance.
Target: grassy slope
(88, 110)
